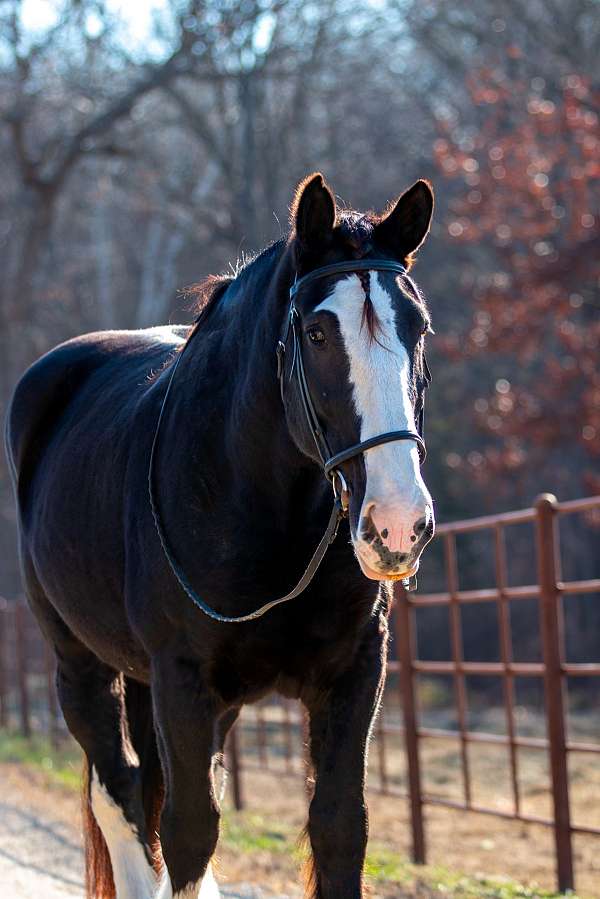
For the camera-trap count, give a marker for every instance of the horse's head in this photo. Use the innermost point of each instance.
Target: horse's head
(361, 339)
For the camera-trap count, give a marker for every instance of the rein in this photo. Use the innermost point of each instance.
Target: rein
(329, 461)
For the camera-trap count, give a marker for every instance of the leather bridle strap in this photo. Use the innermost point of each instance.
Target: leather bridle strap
(329, 461)
(358, 448)
(316, 430)
(346, 268)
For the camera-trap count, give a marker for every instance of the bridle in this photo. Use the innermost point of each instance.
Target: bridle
(330, 462)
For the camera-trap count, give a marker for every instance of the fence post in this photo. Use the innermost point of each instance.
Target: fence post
(21, 647)
(552, 642)
(403, 632)
(234, 766)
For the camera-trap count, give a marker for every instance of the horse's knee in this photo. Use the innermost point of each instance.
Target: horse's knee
(91, 697)
(336, 833)
(338, 841)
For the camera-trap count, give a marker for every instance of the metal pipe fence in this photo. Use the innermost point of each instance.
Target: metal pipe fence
(550, 590)
(272, 735)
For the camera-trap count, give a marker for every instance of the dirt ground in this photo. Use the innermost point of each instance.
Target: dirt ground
(470, 843)
(40, 842)
(40, 852)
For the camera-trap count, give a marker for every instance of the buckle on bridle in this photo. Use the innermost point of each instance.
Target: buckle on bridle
(340, 488)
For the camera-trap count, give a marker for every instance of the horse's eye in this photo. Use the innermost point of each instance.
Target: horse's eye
(315, 335)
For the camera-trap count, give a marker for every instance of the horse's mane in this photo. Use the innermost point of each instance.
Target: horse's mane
(205, 293)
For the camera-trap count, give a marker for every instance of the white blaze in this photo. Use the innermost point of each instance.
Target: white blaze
(395, 494)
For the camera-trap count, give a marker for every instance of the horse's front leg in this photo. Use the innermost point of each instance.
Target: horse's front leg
(188, 733)
(340, 726)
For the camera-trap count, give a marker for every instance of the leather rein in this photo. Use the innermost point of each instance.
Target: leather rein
(329, 461)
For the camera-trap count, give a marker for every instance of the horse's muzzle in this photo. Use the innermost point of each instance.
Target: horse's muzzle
(390, 555)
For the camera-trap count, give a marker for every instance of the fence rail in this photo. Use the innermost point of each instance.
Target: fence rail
(553, 669)
(273, 736)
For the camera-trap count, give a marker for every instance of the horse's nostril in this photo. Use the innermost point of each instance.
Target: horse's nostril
(423, 530)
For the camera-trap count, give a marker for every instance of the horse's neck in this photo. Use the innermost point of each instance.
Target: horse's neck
(232, 435)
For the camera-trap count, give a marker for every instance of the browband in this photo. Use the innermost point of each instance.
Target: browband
(342, 268)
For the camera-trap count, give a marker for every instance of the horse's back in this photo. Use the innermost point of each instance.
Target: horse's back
(57, 379)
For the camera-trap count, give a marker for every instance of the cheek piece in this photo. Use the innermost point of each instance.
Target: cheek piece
(329, 461)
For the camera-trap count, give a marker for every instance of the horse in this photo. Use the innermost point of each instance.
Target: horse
(171, 480)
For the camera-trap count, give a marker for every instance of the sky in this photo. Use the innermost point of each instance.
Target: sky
(41, 14)
(135, 16)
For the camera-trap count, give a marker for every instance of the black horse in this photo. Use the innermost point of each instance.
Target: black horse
(124, 588)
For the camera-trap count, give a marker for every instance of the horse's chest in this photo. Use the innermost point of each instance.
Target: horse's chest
(306, 653)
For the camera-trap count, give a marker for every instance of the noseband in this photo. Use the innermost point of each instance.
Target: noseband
(329, 461)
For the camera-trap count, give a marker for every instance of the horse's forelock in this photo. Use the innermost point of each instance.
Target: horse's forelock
(356, 228)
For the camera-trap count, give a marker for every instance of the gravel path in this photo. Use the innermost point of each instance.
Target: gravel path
(40, 848)
(37, 857)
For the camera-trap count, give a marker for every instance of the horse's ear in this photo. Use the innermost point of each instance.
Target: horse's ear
(313, 212)
(404, 228)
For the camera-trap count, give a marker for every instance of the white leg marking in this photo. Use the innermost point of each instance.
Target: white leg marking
(207, 889)
(133, 876)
